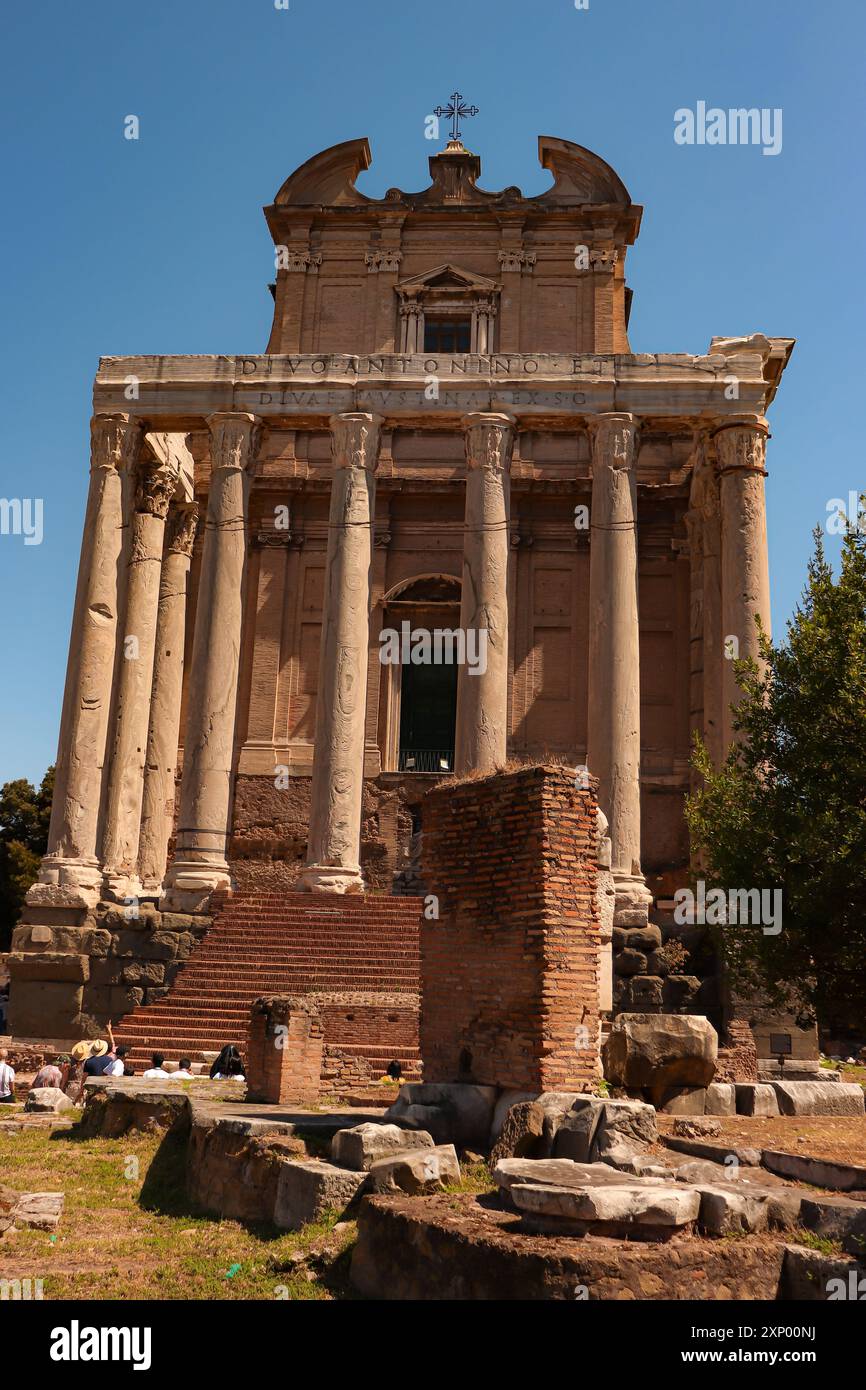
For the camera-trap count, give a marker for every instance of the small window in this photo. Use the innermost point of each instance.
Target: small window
(447, 335)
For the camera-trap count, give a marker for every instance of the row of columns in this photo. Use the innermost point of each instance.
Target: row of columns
(143, 739)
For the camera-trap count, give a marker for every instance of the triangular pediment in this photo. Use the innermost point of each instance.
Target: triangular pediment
(449, 277)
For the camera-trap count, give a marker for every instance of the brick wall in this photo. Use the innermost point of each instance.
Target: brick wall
(284, 1051)
(509, 972)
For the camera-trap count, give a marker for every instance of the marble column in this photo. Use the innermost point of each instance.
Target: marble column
(70, 867)
(704, 522)
(745, 586)
(482, 690)
(199, 865)
(157, 807)
(334, 845)
(154, 488)
(613, 752)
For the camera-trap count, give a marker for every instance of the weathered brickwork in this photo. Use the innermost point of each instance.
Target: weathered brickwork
(284, 1050)
(738, 1056)
(509, 972)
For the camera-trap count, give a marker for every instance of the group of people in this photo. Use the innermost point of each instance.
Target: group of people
(98, 1057)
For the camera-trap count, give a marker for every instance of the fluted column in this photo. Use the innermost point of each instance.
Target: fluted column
(157, 807)
(70, 865)
(741, 446)
(482, 691)
(199, 864)
(704, 522)
(154, 488)
(334, 846)
(613, 752)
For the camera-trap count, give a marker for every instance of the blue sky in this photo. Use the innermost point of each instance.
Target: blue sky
(159, 245)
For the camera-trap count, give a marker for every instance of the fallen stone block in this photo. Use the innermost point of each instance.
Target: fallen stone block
(633, 1209)
(820, 1172)
(756, 1098)
(836, 1218)
(701, 1170)
(681, 1100)
(457, 1113)
(783, 1208)
(556, 1105)
(47, 1100)
(41, 1210)
(724, 1211)
(307, 1190)
(575, 1134)
(632, 1119)
(660, 1051)
(819, 1097)
(560, 1172)
(363, 1145)
(721, 1098)
(421, 1171)
(522, 1133)
(696, 1127)
(627, 1157)
(716, 1153)
(809, 1276)
(502, 1107)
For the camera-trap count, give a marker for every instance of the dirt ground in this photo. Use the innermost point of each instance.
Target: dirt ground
(842, 1138)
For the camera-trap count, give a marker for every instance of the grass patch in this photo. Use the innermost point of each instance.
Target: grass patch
(822, 1244)
(128, 1229)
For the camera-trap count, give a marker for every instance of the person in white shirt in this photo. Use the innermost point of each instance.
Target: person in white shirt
(7, 1079)
(118, 1066)
(184, 1071)
(156, 1072)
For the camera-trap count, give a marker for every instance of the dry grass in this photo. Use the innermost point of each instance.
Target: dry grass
(128, 1231)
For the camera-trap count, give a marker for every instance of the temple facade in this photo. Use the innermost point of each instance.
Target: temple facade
(448, 520)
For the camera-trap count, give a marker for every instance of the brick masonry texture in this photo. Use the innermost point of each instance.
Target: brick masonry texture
(509, 972)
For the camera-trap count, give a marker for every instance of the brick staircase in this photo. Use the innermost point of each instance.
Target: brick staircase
(359, 954)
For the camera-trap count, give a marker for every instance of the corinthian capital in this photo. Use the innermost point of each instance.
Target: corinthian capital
(114, 441)
(181, 529)
(154, 490)
(614, 440)
(489, 440)
(234, 437)
(355, 440)
(741, 444)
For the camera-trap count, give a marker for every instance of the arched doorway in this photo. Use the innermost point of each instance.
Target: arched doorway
(420, 686)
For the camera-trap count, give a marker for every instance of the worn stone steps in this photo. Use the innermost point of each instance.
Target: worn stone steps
(268, 943)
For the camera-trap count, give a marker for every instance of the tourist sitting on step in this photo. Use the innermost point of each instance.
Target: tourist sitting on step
(49, 1074)
(184, 1070)
(228, 1066)
(156, 1071)
(7, 1079)
(120, 1066)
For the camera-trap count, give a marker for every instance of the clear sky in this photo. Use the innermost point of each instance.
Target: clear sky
(158, 245)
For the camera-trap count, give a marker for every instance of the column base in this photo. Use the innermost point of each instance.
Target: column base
(330, 878)
(633, 900)
(190, 885)
(120, 888)
(66, 883)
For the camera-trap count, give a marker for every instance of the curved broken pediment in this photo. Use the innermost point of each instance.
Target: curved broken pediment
(579, 175)
(328, 178)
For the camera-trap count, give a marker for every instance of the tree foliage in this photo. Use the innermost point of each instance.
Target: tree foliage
(24, 817)
(787, 809)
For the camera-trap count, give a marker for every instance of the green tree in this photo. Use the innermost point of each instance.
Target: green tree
(24, 817)
(787, 808)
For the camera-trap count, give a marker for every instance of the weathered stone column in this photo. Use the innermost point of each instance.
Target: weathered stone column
(482, 691)
(741, 446)
(199, 864)
(157, 806)
(334, 845)
(704, 523)
(70, 867)
(613, 752)
(135, 677)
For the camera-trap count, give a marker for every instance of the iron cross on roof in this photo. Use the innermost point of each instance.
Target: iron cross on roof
(455, 112)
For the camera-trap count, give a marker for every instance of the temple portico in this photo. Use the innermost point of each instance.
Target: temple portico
(254, 522)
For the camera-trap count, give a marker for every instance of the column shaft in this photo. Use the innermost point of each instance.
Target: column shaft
(482, 689)
(199, 864)
(71, 861)
(745, 579)
(334, 846)
(614, 653)
(135, 679)
(157, 806)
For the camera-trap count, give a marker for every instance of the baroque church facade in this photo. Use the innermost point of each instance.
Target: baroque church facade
(447, 433)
